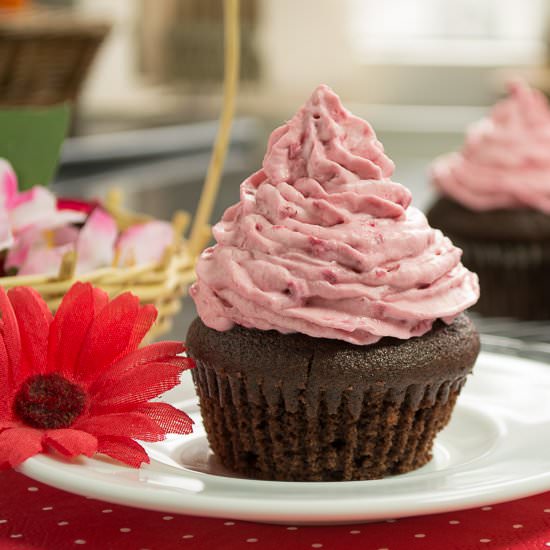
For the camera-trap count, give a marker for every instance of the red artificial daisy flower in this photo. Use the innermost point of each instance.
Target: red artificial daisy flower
(77, 382)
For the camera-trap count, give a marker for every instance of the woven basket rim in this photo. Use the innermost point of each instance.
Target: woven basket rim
(176, 256)
(113, 271)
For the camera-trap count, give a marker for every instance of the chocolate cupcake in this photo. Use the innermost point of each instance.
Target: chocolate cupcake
(297, 408)
(495, 204)
(331, 343)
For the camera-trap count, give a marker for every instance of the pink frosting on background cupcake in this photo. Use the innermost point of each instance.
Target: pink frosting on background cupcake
(505, 161)
(322, 242)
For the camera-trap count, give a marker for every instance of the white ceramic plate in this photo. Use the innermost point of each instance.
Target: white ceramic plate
(495, 449)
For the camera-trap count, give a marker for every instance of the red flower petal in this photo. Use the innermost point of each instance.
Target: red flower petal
(5, 381)
(123, 449)
(137, 385)
(18, 444)
(7, 424)
(71, 443)
(170, 419)
(68, 203)
(10, 351)
(34, 319)
(149, 354)
(70, 326)
(101, 299)
(129, 424)
(146, 316)
(108, 336)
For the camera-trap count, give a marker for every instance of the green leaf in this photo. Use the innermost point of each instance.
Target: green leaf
(31, 140)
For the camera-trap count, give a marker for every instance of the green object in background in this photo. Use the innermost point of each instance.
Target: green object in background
(31, 140)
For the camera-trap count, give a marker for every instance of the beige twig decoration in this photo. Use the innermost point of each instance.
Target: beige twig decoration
(230, 86)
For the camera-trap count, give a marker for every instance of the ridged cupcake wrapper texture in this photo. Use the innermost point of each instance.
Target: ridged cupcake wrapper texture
(514, 277)
(350, 434)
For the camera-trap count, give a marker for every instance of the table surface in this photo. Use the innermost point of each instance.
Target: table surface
(33, 515)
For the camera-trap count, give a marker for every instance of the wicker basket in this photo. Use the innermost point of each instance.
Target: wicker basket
(45, 55)
(162, 284)
(165, 282)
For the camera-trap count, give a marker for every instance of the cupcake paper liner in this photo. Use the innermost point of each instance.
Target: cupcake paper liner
(256, 434)
(514, 277)
(510, 252)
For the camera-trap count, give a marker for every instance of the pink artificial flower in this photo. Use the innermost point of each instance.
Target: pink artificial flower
(6, 236)
(44, 261)
(38, 230)
(8, 186)
(77, 205)
(35, 208)
(144, 243)
(40, 251)
(37, 251)
(96, 242)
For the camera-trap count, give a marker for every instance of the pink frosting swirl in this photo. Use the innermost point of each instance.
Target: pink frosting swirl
(322, 242)
(505, 161)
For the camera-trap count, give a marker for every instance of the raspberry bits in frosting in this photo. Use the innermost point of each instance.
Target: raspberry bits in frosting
(324, 243)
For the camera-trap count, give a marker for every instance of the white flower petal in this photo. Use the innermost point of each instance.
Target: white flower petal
(144, 243)
(96, 242)
(38, 207)
(31, 243)
(44, 260)
(67, 234)
(6, 236)
(22, 244)
(8, 183)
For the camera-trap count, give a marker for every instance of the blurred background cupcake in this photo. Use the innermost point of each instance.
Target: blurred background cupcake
(495, 204)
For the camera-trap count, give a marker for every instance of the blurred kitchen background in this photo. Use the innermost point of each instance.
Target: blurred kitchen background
(146, 77)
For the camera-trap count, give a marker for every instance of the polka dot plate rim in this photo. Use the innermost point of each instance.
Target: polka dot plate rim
(492, 451)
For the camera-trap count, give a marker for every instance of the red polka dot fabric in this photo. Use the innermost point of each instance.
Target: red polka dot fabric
(35, 516)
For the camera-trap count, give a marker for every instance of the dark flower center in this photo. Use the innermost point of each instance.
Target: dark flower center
(49, 401)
